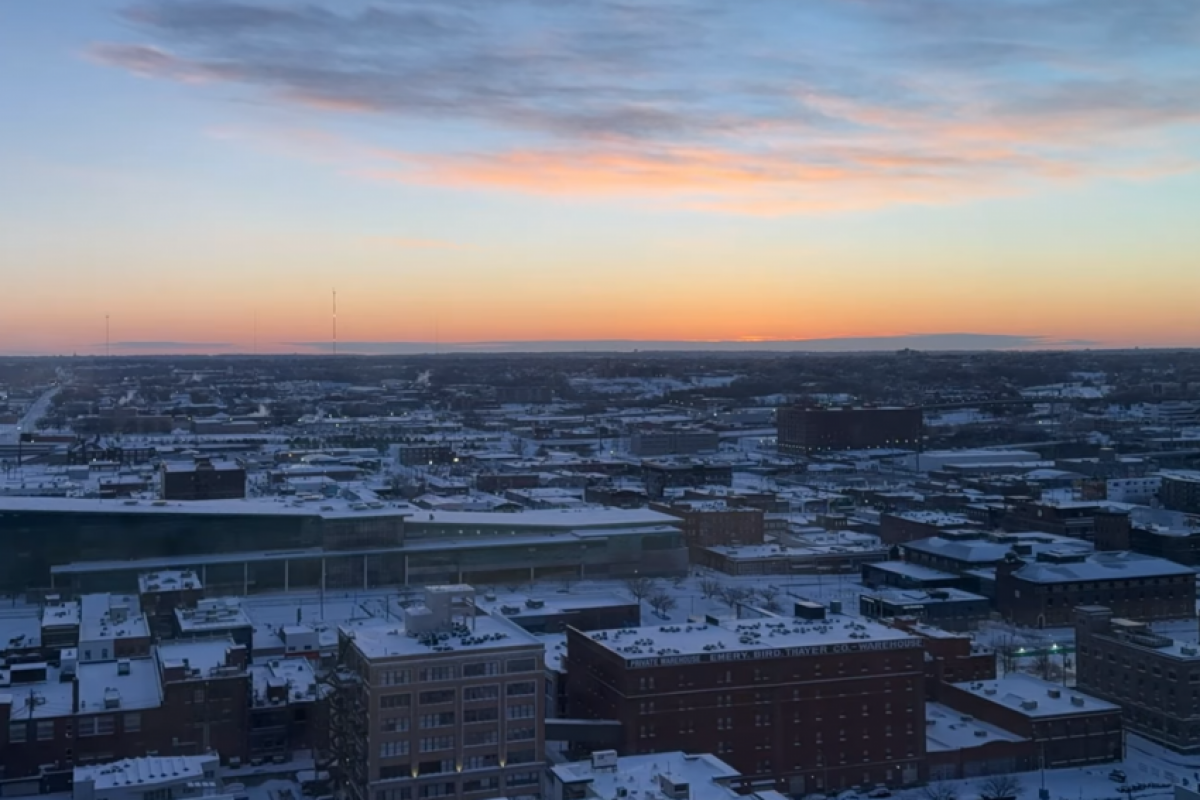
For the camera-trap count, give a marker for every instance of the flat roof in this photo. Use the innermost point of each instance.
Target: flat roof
(145, 772)
(100, 682)
(204, 655)
(736, 640)
(947, 729)
(111, 616)
(168, 580)
(324, 508)
(550, 602)
(705, 774)
(381, 638)
(934, 596)
(594, 516)
(1034, 697)
(294, 674)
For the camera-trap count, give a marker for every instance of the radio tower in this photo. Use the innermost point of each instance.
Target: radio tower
(335, 322)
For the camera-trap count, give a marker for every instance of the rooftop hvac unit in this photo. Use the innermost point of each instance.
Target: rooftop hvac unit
(604, 759)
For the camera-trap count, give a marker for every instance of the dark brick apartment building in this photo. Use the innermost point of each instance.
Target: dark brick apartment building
(803, 431)
(708, 523)
(1044, 592)
(1155, 679)
(808, 705)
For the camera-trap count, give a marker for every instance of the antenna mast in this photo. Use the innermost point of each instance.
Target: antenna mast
(107, 353)
(335, 322)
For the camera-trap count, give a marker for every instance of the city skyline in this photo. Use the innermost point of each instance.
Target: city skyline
(476, 176)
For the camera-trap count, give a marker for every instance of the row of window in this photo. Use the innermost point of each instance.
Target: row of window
(44, 730)
(765, 674)
(449, 672)
(470, 694)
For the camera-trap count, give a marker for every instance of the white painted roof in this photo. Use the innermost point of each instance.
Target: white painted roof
(1033, 697)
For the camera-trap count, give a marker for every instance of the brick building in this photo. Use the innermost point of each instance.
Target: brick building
(949, 657)
(907, 526)
(1180, 491)
(1044, 592)
(1076, 519)
(185, 700)
(802, 431)
(803, 705)
(949, 609)
(1155, 679)
(444, 704)
(654, 443)
(206, 479)
(660, 476)
(1064, 728)
(707, 523)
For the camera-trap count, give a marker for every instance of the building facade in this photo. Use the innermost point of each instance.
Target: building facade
(803, 431)
(800, 705)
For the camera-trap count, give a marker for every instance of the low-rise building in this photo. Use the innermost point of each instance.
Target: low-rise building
(205, 479)
(798, 705)
(673, 776)
(949, 609)
(149, 778)
(1154, 679)
(709, 523)
(777, 559)
(1044, 592)
(1065, 728)
(907, 526)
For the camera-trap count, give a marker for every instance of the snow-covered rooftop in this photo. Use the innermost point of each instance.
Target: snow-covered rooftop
(293, 675)
(146, 772)
(382, 638)
(639, 776)
(1034, 697)
(735, 640)
(1102, 567)
(947, 729)
(103, 687)
(111, 616)
(168, 580)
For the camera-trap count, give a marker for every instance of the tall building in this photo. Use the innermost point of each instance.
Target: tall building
(442, 704)
(803, 431)
(800, 705)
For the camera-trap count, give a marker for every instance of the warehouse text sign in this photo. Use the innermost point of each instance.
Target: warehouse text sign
(783, 652)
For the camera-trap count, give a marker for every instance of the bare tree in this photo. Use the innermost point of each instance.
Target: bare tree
(1043, 666)
(770, 598)
(940, 791)
(733, 596)
(662, 602)
(1006, 652)
(998, 787)
(709, 587)
(639, 586)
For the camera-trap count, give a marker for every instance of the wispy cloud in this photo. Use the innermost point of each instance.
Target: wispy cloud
(760, 105)
(417, 244)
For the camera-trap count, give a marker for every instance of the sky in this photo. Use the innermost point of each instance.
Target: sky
(201, 175)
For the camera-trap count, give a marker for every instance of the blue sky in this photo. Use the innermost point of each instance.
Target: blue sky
(609, 169)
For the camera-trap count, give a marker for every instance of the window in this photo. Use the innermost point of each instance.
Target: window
(435, 767)
(522, 711)
(429, 674)
(133, 722)
(522, 688)
(198, 696)
(437, 790)
(488, 761)
(441, 720)
(395, 677)
(522, 778)
(481, 715)
(481, 669)
(431, 743)
(480, 738)
(521, 665)
(95, 726)
(437, 696)
(522, 734)
(393, 749)
(394, 771)
(395, 724)
(18, 732)
(473, 694)
(522, 756)
(487, 784)
(399, 793)
(45, 730)
(395, 701)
